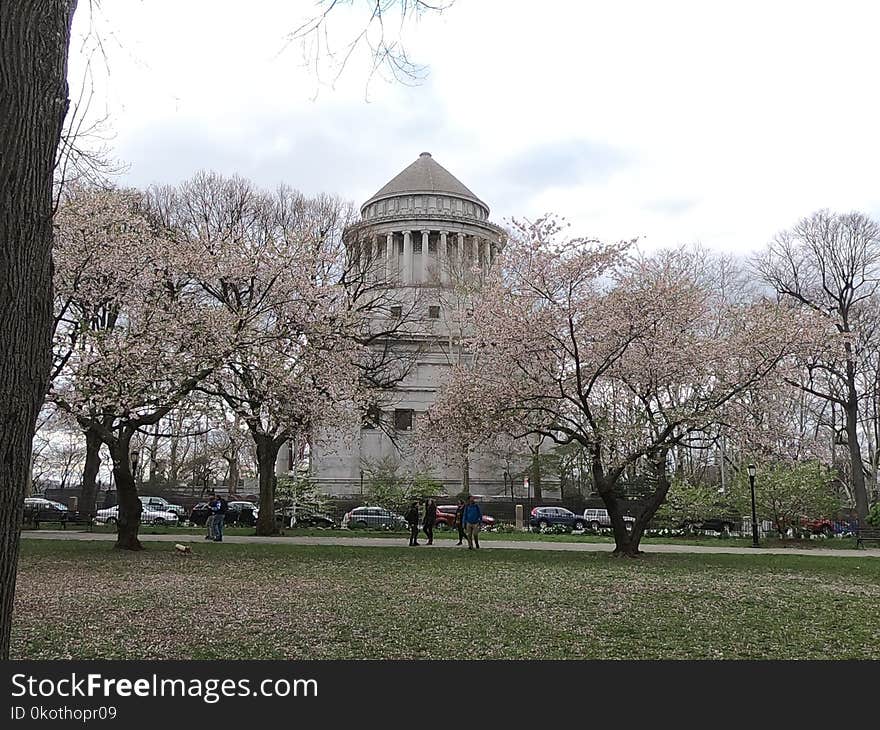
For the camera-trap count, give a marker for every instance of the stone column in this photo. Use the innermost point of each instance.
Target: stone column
(460, 263)
(407, 258)
(390, 259)
(487, 254)
(423, 268)
(475, 251)
(442, 259)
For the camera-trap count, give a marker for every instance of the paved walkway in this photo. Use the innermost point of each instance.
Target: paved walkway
(443, 543)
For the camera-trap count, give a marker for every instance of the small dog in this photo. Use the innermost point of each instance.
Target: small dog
(182, 548)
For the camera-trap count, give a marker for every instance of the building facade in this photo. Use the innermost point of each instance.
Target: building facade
(424, 239)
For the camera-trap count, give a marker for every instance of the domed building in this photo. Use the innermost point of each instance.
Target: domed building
(420, 236)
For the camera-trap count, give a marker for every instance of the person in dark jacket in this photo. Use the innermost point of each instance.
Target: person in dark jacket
(219, 507)
(473, 520)
(459, 520)
(430, 520)
(412, 519)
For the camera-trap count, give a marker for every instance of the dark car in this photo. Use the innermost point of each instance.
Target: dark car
(543, 517)
(38, 509)
(288, 517)
(237, 513)
(712, 524)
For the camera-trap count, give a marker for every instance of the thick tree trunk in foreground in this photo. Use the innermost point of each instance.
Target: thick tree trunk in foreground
(267, 453)
(535, 475)
(127, 497)
(90, 473)
(626, 542)
(34, 37)
(465, 474)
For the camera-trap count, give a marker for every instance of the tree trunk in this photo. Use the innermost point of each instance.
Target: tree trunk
(465, 474)
(90, 472)
(233, 476)
(267, 453)
(127, 497)
(34, 38)
(855, 451)
(535, 474)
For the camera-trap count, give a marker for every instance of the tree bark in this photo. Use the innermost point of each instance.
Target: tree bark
(267, 453)
(34, 39)
(855, 452)
(90, 472)
(465, 474)
(535, 474)
(129, 515)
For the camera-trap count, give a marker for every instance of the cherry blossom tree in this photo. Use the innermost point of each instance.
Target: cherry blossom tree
(133, 338)
(627, 355)
(301, 307)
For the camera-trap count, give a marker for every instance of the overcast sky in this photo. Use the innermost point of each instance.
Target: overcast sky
(675, 122)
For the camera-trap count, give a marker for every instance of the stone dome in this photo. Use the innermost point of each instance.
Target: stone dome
(425, 186)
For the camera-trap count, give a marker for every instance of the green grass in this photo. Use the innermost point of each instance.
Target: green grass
(86, 600)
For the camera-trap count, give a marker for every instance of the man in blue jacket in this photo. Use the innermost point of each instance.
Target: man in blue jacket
(473, 519)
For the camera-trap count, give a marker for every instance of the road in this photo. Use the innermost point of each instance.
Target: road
(446, 544)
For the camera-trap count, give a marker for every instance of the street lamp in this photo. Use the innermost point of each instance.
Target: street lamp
(752, 471)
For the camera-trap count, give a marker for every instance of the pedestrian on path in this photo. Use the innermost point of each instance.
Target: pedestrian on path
(412, 519)
(459, 520)
(472, 518)
(430, 519)
(219, 507)
(209, 523)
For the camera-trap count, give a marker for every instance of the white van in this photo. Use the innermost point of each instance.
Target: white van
(596, 518)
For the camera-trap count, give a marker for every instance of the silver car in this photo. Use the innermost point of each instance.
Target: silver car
(362, 517)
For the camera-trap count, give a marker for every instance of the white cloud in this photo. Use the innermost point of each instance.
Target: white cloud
(686, 121)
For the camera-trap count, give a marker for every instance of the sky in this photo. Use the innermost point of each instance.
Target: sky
(674, 123)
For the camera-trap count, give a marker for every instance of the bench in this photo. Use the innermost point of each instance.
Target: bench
(867, 534)
(32, 516)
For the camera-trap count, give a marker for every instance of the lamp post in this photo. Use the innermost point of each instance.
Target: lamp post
(362, 482)
(135, 454)
(752, 471)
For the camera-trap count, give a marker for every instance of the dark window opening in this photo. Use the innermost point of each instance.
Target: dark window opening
(373, 417)
(403, 419)
(396, 311)
(417, 246)
(432, 246)
(434, 312)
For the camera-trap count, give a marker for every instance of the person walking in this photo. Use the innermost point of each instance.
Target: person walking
(458, 522)
(430, 520)
(412, 519)
(209, 523)
(472, 518)
(222, 506)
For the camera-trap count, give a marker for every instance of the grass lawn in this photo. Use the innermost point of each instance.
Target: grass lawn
(848, 543)
(86, 600)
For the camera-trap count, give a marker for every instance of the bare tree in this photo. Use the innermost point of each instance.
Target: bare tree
(830, 263)
(379, 35)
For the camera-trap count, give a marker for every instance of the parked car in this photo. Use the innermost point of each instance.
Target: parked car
(160, 504)
(303, 517)
(446, 517)
(110, 516)
(542, 517)
(39, 509)
(598, 518)
(238, 512)
(713, 524)
(361, 517)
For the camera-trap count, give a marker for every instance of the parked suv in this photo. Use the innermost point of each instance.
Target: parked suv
(542, 517)
(361, 517)
(160, 504)
(598, 518)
